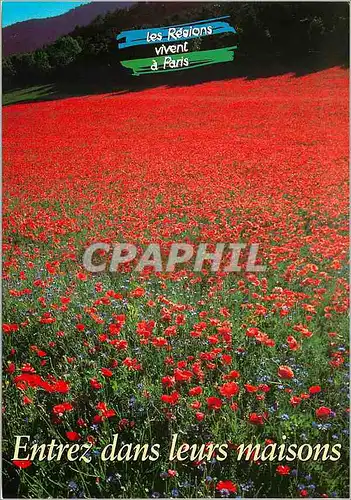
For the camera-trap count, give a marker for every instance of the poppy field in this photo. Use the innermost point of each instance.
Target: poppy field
(215, 358)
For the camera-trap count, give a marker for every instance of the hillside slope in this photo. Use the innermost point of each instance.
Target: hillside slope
(30, 35)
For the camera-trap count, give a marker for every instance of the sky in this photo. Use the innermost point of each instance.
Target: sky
(13, 12)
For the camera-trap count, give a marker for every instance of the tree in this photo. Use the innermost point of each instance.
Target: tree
(63, 52)
(8, 72)
(41, 62)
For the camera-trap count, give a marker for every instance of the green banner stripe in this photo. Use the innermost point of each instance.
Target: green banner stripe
(196, 59)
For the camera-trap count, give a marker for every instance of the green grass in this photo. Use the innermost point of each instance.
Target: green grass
(28, 94)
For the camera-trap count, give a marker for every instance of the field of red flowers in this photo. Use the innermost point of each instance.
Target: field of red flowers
(221, 358)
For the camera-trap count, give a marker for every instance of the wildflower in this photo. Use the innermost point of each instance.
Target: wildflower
(171, 399)
(73, 436)
(22, 464)
(214, 403)
(229, 389)
(315, 389)
(283, 470)
(323, 412)
(285, 372)
(256, 419)
(227, 485)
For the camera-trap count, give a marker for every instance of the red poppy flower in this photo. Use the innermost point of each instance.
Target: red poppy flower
(226, 359)
(323, 412)
(81, 276)
(199, 416)
(256, 419)
(226, 485)
(285, 372)
(315, 389)
(10, 327)
(22, 464)
(73, 436)
(295, 400)
(214, 403)
(60, 386)
(60, 409)
(137, 292)
(171, 399)
(232, 375)
(283, 470)
(182, 375)
(106, 372)
(11, 368)
(264, 388)
(172, 473)
(292, 343)
(94, 384)
(195, 391)
(229, 389)
(250, 388)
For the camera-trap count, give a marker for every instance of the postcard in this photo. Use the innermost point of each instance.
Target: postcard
(175, 271)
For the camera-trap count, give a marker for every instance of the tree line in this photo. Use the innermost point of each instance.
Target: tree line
(283, 32)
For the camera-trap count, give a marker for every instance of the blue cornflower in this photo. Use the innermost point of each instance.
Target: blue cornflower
(224, 493)
(186, 484)
(72, 486)
(248, 486)
(323, 427)
(155, 494)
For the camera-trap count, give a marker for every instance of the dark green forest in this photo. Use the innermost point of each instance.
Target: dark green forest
(268, 34)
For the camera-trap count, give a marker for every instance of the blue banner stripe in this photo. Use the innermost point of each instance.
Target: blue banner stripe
(139, 37)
